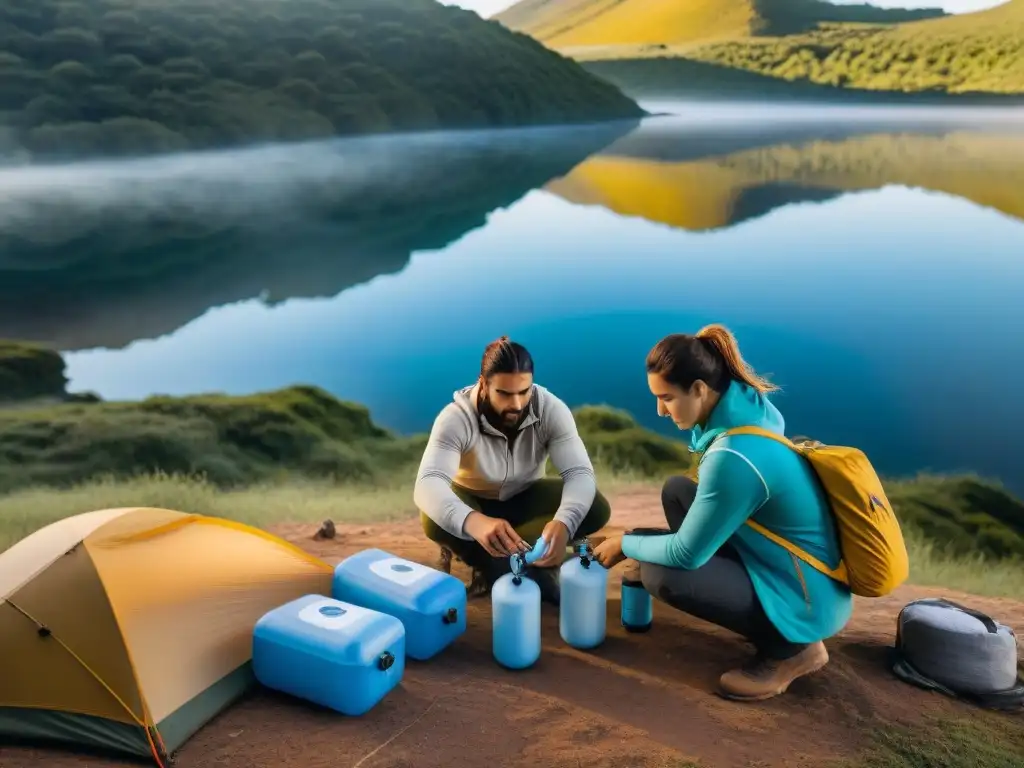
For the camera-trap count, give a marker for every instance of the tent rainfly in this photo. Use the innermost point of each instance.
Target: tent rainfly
(126, 630)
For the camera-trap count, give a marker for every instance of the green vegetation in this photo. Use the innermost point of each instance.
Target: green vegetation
(788, 17)
(114, 77)
(30, 371)
(800, 42)
(966, 513)
(982, 52)
(986, 740)
(625, 449)
(387, 496)
(300, 454)
(567, 24)
(230, 440)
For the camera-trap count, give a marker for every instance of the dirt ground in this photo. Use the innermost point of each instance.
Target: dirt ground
(638, 701)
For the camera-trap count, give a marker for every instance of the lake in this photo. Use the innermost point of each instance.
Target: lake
(870, 261)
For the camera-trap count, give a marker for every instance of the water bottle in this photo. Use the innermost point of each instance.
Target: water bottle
(584, 599)
(637, 606)
(515, 614)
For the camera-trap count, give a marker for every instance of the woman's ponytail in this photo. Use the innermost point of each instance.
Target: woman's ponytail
(724, 343)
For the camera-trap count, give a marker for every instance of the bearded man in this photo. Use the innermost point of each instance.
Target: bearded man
(481, 489)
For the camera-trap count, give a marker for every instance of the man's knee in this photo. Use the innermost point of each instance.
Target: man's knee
(600, 510)
(432, 530)
(598, 515)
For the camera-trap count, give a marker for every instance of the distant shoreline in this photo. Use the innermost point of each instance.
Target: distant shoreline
(670, 77)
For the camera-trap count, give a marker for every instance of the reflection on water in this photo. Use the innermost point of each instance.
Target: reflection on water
(692, 180)
(881, 307)
(99, 255)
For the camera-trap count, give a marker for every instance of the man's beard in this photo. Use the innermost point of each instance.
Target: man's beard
(506, 421)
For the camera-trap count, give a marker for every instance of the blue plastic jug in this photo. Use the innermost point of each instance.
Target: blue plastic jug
(335, 654)
(431, 604)
(637, 606)
(584, 599)
(515, 614)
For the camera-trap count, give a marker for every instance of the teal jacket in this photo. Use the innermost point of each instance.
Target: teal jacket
(743, 476)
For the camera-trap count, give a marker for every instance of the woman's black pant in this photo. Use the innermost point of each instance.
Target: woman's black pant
(720, 591)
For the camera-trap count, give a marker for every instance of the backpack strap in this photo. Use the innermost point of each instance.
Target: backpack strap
(839, 573)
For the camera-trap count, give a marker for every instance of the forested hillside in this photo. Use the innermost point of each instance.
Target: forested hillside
(127, 76)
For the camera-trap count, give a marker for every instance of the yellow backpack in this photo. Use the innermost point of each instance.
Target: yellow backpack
(874, 554)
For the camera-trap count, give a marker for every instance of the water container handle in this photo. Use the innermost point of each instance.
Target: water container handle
(450, 616)
(386, 660)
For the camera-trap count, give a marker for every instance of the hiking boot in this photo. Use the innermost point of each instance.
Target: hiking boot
(762, 678)
(444, 562)
(483, 578)
(547, 580)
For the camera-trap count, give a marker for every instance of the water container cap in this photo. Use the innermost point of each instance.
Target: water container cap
(386, 660)
(517, 564)
(450, 616)
(585, 552)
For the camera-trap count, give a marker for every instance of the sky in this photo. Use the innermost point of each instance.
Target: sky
(488, 7)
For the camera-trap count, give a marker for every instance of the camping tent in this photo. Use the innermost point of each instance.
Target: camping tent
(128, 629)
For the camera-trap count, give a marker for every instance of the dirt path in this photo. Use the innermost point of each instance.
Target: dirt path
(637, 702)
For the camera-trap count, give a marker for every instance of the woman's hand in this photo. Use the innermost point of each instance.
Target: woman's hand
(609, 552)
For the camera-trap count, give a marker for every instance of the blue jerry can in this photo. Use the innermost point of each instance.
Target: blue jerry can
(431, 604)
(335, 654)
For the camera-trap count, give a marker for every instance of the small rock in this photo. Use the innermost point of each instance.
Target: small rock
(326, 531)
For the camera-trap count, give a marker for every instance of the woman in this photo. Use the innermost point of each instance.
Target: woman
(709, 564)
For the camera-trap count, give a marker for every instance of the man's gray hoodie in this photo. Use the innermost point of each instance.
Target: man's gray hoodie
(465, 449)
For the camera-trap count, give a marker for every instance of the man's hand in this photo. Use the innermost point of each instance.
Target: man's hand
(495, 535)
(609, 552)
(557, 537)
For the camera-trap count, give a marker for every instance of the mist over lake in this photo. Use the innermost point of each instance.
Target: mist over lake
(871, 261)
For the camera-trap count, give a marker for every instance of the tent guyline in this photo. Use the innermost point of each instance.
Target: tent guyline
(44, 632)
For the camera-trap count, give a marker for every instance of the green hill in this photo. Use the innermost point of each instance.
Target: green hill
(859, 49)
(302, 433)
(238, 440)
(579, 23)
(109, 77)
(977, 52)
(30, 371)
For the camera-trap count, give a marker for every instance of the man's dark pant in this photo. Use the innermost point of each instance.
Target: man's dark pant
(528, 512)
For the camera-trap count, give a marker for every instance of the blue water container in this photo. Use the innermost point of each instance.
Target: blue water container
(584, 599)
(431, 604)
(515, 618)
(637, 610)
(335, 654)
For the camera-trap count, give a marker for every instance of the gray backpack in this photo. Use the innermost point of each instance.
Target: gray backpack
(943, 646)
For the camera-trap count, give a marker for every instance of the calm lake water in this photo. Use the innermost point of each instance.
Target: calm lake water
(872, 263)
